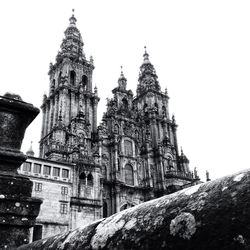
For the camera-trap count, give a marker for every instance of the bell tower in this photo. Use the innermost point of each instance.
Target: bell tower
(70, 109)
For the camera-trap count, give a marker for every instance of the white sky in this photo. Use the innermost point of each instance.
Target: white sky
(200, 50)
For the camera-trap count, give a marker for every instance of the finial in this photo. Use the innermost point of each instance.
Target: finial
(91, 60)
(122, 75)
(72, 19)
(95, 89)
(207, 176)
(30, 151)
(173, 118)
(181, 151)
(195, 173)
(146, 59)
(122, 81)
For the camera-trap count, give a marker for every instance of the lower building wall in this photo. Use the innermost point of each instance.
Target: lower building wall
(82, 216)
(53, 229)
(44, 230)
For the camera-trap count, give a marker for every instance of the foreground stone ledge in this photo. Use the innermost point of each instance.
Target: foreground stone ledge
(213, 215)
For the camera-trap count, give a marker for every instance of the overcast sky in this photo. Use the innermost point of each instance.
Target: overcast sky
(200, 50)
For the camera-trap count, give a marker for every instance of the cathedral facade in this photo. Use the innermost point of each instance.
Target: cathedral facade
(130, 158)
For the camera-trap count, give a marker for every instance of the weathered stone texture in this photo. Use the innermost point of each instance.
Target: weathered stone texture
(214, 215)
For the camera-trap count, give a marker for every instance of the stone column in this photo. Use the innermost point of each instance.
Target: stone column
(45, 119)
(50, 107)
(66, 105)
(95, 115)
(55, 118)
(52, 113)
(175, 138)
(43, 122)
(117, 198)
(72, 105)
(18, 210)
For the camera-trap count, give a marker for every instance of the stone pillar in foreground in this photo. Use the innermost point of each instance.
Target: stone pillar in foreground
(18, 210)
(210, 216)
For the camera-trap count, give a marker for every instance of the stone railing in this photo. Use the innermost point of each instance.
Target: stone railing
(212, 215)
(178, 174)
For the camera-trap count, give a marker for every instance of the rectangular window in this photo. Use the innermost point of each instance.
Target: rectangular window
(27, 166)
(46, 170)
(37, 168)
(56, 172)
(63, 208)
(128, 147)
(38, 186)
(64, 190)
(65, 173)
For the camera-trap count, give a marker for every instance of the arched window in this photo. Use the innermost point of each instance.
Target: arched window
(52, 87)
(125, 103)
(105, 209)
(90, 180)
(104, 172)
(145, 109)
(84, 81)
(116, 129)
(140, 171)
(82, 177)
(72, 77)
(156, 108)
(164, 111)
(82, 183)
(136, 134)
(53, 83)
(128, 148)
(170, 163)
(60, 78)
(118, 162)
(129, 175)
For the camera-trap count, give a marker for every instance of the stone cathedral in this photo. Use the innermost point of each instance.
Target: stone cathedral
(85, 171)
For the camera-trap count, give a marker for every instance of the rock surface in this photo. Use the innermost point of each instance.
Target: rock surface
(213, 215)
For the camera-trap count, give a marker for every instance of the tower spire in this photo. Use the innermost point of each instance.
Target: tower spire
(148, 79)
(72, 44)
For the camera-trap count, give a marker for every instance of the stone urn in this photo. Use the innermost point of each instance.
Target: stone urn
(15, 117)
(18, 210)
